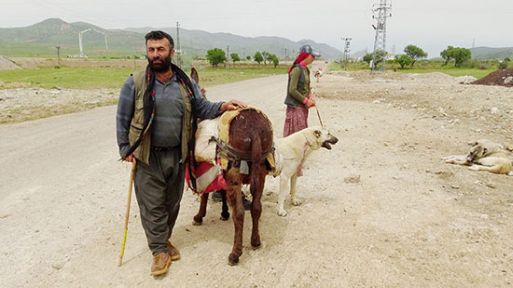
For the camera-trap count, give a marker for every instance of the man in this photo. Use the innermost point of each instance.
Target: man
(154, 122)
(299, 96)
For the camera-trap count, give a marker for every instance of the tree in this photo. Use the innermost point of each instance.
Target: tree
(445, 55)
(258, 57)
(265, 56)
(404, 60)
(504, 63)
(275, 60)
(216, 56)
(268, 57)
(235, 57)
(248, 58)
(379, 57)
(415, 53)
(367, 58)
(458, 54)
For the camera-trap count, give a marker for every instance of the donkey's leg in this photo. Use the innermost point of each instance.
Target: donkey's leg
(198, 219)
(256, 209)
(224, 212)
(234, 195)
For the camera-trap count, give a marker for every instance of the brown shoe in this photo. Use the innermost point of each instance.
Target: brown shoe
(173, 252)
(161, 263)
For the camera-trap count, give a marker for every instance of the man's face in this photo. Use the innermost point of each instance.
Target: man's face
(159, 53)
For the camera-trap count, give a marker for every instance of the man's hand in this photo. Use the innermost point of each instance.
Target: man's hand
(232, 105)
(129, 158)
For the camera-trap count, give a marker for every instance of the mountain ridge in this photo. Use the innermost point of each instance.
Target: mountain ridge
(42, 38)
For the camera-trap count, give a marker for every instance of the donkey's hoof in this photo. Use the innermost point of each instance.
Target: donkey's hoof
(197, 221)
(256, 243)
(225, 217)
(233, 259)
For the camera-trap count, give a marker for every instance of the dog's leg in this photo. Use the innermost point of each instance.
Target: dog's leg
(456, 159)
(282, 194)
(294, 200)
(497, 169)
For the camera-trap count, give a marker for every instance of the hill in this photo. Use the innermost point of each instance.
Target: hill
(491, 53)
(42, 38)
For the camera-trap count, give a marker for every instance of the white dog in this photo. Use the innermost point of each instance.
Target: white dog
(485, 155)
(291, 153)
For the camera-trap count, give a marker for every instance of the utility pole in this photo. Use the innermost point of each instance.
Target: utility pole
(380, 12)
(347, 44)
(227, 52)
(58, 55)
(178, 46)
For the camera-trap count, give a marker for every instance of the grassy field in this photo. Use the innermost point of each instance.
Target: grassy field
(422, 67)
(111, 77)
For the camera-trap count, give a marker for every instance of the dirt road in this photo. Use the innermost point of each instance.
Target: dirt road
(380, 209)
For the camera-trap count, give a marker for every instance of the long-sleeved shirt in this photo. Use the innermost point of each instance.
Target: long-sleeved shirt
(167, 124)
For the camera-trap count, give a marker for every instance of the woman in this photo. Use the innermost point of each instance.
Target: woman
(299, 97)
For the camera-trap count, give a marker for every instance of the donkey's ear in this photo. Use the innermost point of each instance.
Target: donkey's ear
(317, 133)
(194, 75)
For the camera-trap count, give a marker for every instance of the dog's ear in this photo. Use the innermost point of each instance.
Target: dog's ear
(317, 133)
(472, 143)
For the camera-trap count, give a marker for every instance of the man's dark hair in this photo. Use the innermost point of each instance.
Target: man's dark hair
(157, 35)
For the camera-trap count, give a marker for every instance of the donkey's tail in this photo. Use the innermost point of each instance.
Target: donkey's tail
(256, 159)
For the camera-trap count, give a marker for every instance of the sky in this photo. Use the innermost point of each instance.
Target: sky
(431, 25)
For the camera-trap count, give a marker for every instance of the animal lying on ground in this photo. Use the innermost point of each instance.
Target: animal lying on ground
(485, 155)
(291, 153)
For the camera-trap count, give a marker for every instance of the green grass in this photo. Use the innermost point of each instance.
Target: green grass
(66, 77)
(210, 76)
(477, 73)
(88, 78)
(421, 67)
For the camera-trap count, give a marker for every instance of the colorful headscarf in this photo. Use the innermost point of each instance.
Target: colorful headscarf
(299, 59)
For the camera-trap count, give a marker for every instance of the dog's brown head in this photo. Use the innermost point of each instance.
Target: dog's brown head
(482, 148)
(476, 152)
(323, 137)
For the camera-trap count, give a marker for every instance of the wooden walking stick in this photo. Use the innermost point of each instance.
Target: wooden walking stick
(127, 213)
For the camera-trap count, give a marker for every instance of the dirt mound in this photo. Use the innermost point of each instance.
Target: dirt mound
(503, 77)
(6, 64)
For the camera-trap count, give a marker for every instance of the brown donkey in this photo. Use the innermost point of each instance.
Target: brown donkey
(250, 142)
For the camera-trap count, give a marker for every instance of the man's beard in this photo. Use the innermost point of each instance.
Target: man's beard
(160, 65)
